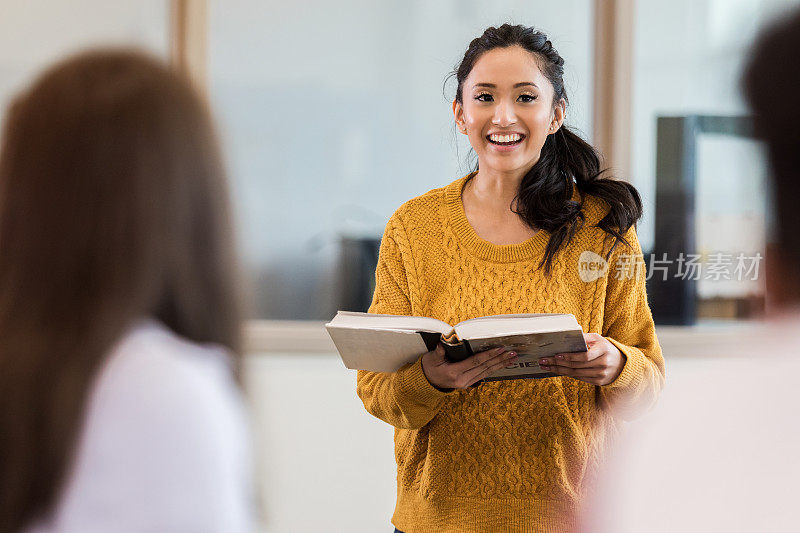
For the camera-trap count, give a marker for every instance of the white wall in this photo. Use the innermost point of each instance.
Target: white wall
(323, 463)
(34, 33)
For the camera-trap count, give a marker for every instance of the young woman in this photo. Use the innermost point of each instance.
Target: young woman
(119, 324)
(512, 237)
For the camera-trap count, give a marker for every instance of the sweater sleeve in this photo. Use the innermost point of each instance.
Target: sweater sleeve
(404, 399)
(628, 324)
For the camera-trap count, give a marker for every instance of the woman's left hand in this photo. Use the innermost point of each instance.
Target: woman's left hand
(599, 365)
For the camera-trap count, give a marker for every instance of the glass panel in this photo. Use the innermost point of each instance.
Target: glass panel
(334, 115)
(688, 57)
(731, 225)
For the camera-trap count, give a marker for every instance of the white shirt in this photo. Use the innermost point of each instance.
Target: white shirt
(164, 445)
(720, 451)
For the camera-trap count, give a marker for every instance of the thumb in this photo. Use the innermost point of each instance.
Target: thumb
(592, 338)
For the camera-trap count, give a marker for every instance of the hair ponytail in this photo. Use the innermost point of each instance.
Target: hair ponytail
(544, 200)
(545, 195)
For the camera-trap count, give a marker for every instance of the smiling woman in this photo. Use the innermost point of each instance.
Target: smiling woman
(510, 238)
(508, 122)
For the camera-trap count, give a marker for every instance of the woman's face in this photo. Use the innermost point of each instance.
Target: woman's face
(507, 110)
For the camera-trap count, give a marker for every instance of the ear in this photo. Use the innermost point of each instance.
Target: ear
(559, 113)
(458, 113)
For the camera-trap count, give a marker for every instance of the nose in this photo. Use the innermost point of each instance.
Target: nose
(504, 114)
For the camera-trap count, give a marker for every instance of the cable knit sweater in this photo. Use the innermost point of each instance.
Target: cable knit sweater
(507, 455)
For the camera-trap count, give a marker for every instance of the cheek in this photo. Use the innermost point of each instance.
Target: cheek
(475, 126)
(539, 127)
(473, 122)
(539, 121)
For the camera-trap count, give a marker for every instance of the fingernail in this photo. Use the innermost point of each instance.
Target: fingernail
(512, 354)
(545, 367)
(544, 362)
(559, 357)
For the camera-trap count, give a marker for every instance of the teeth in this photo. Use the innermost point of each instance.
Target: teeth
(514, 137)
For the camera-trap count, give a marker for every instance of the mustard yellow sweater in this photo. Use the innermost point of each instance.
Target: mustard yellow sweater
(507, 455)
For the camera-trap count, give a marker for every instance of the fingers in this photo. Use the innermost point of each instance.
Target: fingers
(592, 338)
(595, 376)
(439, 352)
(601, 372)
(575, 360)
(444, 374)
(598, 347)
(488, 367)
(478, 360)
(436, 357)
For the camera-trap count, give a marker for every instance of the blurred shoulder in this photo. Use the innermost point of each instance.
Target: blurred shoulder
(164, 431)
(151, 367)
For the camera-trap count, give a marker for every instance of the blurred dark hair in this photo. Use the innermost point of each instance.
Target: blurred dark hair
(771, 81)
(113, 207)
(544, 198)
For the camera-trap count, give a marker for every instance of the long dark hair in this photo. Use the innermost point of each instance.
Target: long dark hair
(544, 197)
(113, 207)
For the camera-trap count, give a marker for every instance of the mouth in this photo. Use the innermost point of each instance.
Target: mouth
(506, 140)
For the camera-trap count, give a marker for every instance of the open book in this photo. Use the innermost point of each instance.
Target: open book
(384, 343)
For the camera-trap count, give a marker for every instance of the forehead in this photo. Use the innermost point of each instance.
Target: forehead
(505, 67)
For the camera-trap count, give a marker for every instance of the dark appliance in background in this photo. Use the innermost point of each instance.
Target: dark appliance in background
(357, 262)
(674, 300)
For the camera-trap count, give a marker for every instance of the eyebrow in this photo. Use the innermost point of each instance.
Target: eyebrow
(493, 86)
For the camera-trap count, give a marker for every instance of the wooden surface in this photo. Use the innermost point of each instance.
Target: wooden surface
(189, 40)
(613, 85)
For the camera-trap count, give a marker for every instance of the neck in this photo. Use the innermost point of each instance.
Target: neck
(497, 186)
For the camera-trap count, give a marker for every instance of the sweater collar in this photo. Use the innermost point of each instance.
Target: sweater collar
(532, 248)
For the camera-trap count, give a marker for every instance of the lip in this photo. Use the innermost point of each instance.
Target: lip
(509, 148)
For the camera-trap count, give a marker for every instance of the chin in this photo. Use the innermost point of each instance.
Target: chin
(508, 164)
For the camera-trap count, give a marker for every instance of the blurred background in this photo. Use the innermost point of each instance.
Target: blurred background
(334, 114)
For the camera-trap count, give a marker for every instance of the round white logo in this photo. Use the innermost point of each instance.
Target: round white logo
(591, 266)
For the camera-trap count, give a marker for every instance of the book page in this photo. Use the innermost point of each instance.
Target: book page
(497, 325)
(350, 319)
(377, 350)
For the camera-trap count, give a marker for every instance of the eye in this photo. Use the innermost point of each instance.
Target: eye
(527, 98)
(484, 97)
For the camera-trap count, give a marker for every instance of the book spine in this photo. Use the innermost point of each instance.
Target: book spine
(457, 352)
(430, 339)
(453, 352)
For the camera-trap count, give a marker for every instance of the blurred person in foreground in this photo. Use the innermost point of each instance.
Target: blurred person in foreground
(119, 320)
(720, 452)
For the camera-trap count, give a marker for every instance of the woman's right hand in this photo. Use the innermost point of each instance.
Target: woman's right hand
(446, 375)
